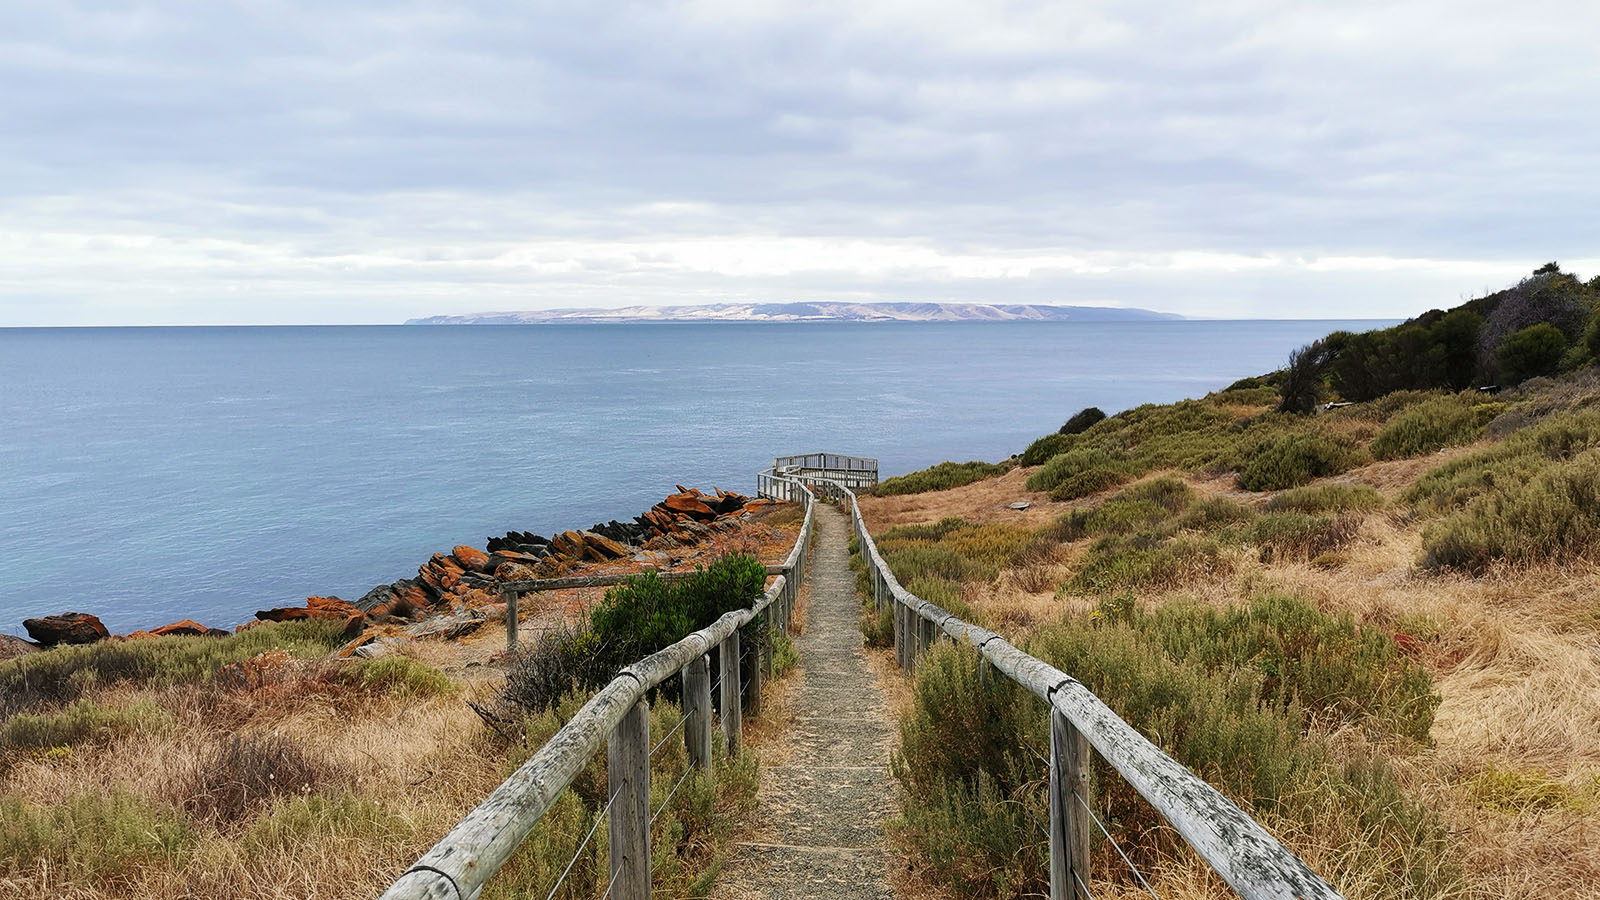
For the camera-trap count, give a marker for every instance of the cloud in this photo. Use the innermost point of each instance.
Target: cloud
(287, 161)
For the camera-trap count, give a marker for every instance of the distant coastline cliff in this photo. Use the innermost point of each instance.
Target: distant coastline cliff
(807, 312)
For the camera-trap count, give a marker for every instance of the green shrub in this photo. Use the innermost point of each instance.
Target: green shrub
(1513, 461)
(62, 675)
(946, 595)
(942, 477)
(1116, 562)
(1325, 498)
(1302, 536)
(1215, 512)
(877, 625)
(1082, 420)
(1093, 481)
(317, 819)
(973, 797)
(82, 721)
(1294, 460)
(1171, 494)
(1041, 450)
(89, 837)
(398, 675)
(1554, 516)
(1535, 350)
(1064, 466)
(647, 614)
(1432, 426)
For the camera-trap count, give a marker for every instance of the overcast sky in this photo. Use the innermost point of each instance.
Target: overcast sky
(329, 161)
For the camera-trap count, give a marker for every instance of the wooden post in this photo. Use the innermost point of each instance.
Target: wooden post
(1069, 818)
(731, 701)
(628, 774)
(511, 620)
(899, 620)
(697, 704)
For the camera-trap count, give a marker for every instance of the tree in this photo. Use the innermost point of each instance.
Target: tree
(1303, 381)
(1535, 350)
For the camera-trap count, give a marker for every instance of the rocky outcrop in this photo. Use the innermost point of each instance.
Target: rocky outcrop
(327, 609)
(181, 628)
(67, 628)
(12, 647)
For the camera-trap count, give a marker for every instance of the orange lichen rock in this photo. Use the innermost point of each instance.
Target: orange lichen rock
(471, 558)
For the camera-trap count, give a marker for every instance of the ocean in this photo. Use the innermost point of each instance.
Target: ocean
(153, 474)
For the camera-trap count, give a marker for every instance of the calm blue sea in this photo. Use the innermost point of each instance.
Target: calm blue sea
(148, 474)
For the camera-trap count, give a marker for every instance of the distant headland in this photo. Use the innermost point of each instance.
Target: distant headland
(807, 312)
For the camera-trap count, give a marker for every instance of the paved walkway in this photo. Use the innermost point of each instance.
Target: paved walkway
(822, 804)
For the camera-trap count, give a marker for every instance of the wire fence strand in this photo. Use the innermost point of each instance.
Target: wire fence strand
(668, 736)
(581, 844)
(1117, 847)
(686, 773)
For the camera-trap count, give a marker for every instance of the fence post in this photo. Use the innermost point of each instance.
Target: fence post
(511, 620)
(1069, 818)
(899, 620)
(697, 703)
(729, 658)
(628, 774)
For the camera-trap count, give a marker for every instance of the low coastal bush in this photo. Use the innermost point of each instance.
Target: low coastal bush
(637, 618)
(1294, 460)
(400, 676)
(1213, 513)
(1298, 535)
(88, 838)
(942, 477)
(1082, 420)
(1148, 559)
(1041, 450)
(1554, 516)
(80, 722)
(1328, 498)
(1240, 697)
(65, 673)
(319, 819)
(1431, 426)
(1501, 466)
(1530, 352)
(1140, 507)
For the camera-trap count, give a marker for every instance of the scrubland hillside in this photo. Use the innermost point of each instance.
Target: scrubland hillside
(1375, 625)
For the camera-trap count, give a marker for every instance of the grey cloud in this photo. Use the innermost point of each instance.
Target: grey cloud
(457, 133)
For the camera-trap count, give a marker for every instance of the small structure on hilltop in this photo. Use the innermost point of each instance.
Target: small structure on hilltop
(854, 472)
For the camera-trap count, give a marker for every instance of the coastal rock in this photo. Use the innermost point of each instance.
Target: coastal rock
(12, 647)
(690, 504)
(607, 547)
(187, 627)
(442, 573)
(67, 628)
(327, 609)
(471, 558)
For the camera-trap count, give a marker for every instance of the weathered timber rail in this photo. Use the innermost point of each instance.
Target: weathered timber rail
(464, 860)
(1233, 844)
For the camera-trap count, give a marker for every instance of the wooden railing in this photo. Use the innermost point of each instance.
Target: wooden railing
(459, 865)
(1233, 844)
